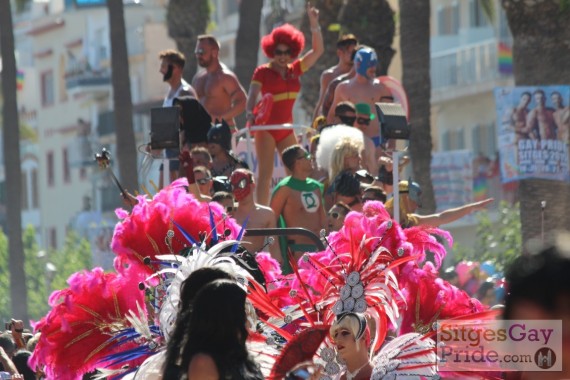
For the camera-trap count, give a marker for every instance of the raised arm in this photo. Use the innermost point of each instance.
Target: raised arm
(451, 215)
(317, 45)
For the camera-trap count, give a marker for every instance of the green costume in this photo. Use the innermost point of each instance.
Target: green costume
(306, 188)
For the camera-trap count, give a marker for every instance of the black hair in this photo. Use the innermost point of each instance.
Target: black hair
(289, 156)
(218, 328)
(196, 121)
(541, 279)
(483, 288)
(221, 195)
(347, 184)
(377, 192)
(188, 290)
(20, 360)
(221, 134)
(7, 343)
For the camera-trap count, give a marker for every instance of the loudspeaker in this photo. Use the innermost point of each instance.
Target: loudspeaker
(164, 128)
(393, 122)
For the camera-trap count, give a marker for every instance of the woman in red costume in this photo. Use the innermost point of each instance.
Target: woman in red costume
(280, 78)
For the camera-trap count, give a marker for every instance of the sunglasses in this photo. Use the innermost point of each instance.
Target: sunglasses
(363, 121)
(281, 52)
(335, 215)
(307, 155)
(203, 181)
(348, 120)
(199, 52)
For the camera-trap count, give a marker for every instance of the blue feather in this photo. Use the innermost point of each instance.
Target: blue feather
(184, 233)
(213, 227)
(240, 235)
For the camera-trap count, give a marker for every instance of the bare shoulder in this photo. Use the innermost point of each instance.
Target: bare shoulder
(264, 210)
(202, 366)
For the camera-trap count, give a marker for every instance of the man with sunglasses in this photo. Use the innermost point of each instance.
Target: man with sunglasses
(217, 86)
(297, 201)
(203, 178)
(344, 50)
(364, 87)
(256, 215)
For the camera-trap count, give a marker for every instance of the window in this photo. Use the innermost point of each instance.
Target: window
(448, 20)
(52, 241)
(24, 193)
(484, 139)
(66, 171)
(50, 169)
(453, 140)
(35, 194)
(477, 16)
(47, 88)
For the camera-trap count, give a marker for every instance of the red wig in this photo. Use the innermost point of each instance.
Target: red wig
(285, 34)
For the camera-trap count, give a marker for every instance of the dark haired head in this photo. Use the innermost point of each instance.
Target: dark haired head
(347, 184)
(173, 56)
(541, 280)
(289, 156)
(20, 360)
(346, 40)
(218, 328)
(221, 134)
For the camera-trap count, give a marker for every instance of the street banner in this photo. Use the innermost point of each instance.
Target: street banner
(452, 178)
(533, 126)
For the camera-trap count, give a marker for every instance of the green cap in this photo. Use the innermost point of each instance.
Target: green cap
(364, 109)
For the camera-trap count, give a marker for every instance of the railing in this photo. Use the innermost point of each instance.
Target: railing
(81, 75)
(465, 65)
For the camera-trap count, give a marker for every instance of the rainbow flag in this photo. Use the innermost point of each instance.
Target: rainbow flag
(20, 80)
(505, 58)
(480, 188)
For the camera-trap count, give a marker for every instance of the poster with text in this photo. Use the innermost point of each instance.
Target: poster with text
(533, 126)
(452, 178)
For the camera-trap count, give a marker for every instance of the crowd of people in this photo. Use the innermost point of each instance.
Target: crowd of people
(195, 297)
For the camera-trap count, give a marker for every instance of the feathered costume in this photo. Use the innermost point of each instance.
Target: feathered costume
(370, 266)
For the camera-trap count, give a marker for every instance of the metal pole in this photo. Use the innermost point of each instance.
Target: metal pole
(396, 181)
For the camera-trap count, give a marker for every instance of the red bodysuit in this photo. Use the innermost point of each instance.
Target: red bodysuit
(284, 91)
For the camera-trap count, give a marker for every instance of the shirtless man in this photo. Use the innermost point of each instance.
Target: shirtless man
(563, 124)
(519, 116)
(258, 216)
(560, 112)
(298, 200)
(363, 88)
(344, 51)
(218, 88)
(541, 118)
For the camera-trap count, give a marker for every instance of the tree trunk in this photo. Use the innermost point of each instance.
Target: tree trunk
(11, 134)
(186, 20)
(415, 46)
(247, 43)
(372, 22)
(126, 146)
(541, 53)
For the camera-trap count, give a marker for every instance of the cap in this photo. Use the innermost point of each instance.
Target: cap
(364, 109)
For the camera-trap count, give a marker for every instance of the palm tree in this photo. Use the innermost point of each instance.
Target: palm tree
(541, 52)
(186, 20)
(11, 146)
(415, 46)
(247, 40)
(123, 106)
(371, 21)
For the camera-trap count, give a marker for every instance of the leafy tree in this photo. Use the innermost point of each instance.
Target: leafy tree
(45, 271)
(186, 20)
(499, 242)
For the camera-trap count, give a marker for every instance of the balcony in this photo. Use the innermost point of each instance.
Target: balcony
(80, 78)
(466, 70)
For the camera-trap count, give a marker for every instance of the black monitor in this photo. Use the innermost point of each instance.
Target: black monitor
(393, 121)
(164, 128)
